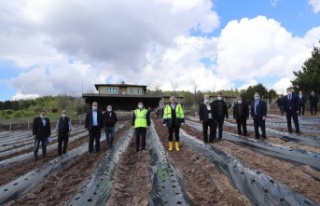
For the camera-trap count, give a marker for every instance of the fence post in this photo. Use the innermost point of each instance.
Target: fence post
(28, 123)
(10, 126)
(79, 120)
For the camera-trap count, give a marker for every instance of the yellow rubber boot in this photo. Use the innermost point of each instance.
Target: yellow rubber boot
(177, 146)
(170, 146)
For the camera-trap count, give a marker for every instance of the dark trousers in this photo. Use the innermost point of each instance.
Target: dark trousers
(176, 130)
(242, 122)
(140, 132)
(62, 138)
(219, 123)
(294, 116)
(43, 144)
(94, 135)
(302, 108)
(281, 109)
(205, 125)
(109, 131)
(313, 109)
(258, 122)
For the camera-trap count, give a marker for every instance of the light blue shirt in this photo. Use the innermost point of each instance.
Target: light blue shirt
(44, 121)
(255, 106)
(94, 118)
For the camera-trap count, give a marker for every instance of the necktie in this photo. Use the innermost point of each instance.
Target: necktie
(289, 97)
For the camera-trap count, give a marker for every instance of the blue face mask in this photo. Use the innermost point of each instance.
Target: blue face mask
(256, 97)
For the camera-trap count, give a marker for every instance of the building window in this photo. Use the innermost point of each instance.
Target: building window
(138, 91)
(112, 90)
(131, 91)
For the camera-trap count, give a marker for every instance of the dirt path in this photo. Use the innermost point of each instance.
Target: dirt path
(61, 185)
(299, 179)
(204, 184)
(132, 179)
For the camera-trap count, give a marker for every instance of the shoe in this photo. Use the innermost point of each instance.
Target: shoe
(170, 146)
(35, 158)
(177, 144)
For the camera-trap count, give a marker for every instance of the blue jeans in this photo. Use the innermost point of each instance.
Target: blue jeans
(110, 131)
(43, 144)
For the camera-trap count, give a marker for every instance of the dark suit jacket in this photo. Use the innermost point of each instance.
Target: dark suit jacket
(39, 130)
(245, 110)
(203, 112)
(261, 108)
(89, 120)
(215, 112)
(302, 100)
(292, 104)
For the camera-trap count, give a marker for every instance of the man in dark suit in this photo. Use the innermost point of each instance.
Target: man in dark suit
(313, 101)
(42, 131)
(280, 104)
(219, 112)
(259, 114)
(206, 118)
(94, 124)
(291, 110)
(302, 103)
(241, 114)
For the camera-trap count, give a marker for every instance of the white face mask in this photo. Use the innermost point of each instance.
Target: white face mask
(109, 109)
(256, 97)
(140, 106)
(94, 107)
(42, 116)
(239, 101)
(289, 93)
(219, 98)
(64, 115)
(206, 101)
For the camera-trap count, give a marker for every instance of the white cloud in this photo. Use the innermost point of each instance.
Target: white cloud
(60, 45)
(259, 48)
(281, 85)
(315, 5)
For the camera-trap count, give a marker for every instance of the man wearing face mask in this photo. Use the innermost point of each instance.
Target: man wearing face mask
(259, 114)
(94, 124)
(173, 118)
(41, 131)
(206, 118)
(241, 114)
(313, 101)
(140, 121)
(63, 129)
(110, 119)
(302, 103)
(219, 111)
(291, 110)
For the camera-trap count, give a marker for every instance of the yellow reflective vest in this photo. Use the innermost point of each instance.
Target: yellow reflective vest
(140, 118)
(167, 116)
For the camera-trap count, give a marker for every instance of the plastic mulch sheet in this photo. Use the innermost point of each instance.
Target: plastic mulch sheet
(167, 181)
(259, 188)
(97, 190)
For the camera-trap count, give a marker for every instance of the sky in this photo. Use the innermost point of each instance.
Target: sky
(55, 47)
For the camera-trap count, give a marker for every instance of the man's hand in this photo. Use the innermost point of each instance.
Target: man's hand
(164, 125)
(264, 118)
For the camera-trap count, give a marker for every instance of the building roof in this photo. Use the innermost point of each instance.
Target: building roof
(121, 85)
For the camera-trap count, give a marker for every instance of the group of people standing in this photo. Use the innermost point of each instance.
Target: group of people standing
(212, 115)
(302, 100)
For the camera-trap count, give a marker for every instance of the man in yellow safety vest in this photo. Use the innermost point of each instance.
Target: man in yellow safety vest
(140, 121)
(173, 117)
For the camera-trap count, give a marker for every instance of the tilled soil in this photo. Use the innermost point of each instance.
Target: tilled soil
(15, 170)
(59, 187)
(297, 178)
(132, 179)
(204, 184)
